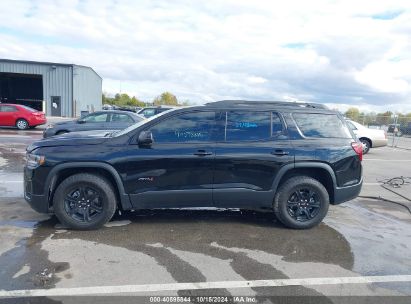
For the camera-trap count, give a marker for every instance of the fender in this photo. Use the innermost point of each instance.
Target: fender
(124, 198)
(283, 170)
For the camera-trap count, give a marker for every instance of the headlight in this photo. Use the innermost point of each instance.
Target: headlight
(33, 161)
(50, 126)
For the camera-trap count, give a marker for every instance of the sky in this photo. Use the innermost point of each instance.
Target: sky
(342, 53)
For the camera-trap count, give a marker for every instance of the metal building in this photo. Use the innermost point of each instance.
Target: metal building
(55, 88)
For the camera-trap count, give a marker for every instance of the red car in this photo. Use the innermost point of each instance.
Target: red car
(22, 117)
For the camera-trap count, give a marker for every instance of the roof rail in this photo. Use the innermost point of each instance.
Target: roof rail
(270, 103)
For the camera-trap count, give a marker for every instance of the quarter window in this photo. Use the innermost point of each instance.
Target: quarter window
(187, 127)
(321, 125)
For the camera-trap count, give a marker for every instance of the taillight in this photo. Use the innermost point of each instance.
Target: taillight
(357, 147)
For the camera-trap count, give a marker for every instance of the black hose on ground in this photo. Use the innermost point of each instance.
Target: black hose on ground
(395, 182)
(386, 200)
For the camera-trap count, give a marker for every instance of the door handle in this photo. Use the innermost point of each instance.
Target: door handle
(280, 152)
(202, 153)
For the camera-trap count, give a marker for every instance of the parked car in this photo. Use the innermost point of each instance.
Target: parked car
(151, 111)
(271, 156)
(21, 117)
(101, 120)
(370, 138)
(394, 128)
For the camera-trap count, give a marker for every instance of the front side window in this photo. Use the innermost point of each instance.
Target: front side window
(186, 127)
(249, 126)
(96, 118)
(148, 112)
(321, 125)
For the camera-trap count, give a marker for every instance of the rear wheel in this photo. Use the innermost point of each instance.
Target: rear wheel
(366, 144)
(301, 202)
(22, 124)
(84, 201)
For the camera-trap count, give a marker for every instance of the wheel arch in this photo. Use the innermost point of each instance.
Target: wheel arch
(319, 171)
(62, 171)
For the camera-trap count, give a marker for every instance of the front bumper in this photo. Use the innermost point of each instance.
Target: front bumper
(343, 194)
(39, 202)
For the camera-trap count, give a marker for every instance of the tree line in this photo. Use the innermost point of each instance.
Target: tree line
(371, 118)
(124, 99)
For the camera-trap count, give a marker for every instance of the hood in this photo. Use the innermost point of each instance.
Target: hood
(94, 137)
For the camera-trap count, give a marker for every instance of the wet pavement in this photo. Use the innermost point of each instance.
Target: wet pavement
(359, 238)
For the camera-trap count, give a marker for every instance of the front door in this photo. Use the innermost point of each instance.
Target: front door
(94, 121)
(55, 106)
(177, 169)
(254, 147)
(8, 115)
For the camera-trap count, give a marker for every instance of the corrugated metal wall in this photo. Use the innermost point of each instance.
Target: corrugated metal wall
(87, 90)
(57, 81)
(80, 91)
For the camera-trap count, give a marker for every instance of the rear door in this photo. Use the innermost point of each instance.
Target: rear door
(254, 147)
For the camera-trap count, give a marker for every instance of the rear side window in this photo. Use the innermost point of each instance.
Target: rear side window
(249, 126)
(321, 125)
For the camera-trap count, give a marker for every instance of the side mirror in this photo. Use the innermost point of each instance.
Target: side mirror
(145, 138)
(80, 121)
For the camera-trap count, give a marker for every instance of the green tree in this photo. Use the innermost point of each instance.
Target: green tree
(135, 102)
(384, 118)
(353, 113)
(166, 99)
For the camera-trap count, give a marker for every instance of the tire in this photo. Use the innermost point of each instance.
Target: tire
(84, 201)
(366, 145)
(287, 205)
(22, 124)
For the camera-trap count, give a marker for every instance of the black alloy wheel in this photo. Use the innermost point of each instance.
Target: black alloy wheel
(303, 204)
(83, 204)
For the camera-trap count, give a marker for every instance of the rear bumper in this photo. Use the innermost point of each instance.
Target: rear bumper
(379, 143)
(343, 194)
(37, 122)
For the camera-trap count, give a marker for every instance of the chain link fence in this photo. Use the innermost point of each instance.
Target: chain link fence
(398, 128)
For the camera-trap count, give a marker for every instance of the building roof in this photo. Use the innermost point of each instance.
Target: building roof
(48, 63)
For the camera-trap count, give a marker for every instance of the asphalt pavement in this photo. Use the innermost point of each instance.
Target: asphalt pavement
(361, 252)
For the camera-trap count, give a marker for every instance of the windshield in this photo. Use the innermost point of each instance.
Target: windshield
(139, 124)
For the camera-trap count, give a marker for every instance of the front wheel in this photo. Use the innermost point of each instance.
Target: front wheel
(301, 202)
(84, 201)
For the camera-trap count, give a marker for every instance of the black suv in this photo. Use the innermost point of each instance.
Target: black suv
(290, 158)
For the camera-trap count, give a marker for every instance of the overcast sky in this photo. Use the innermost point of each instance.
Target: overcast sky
(342, 52)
